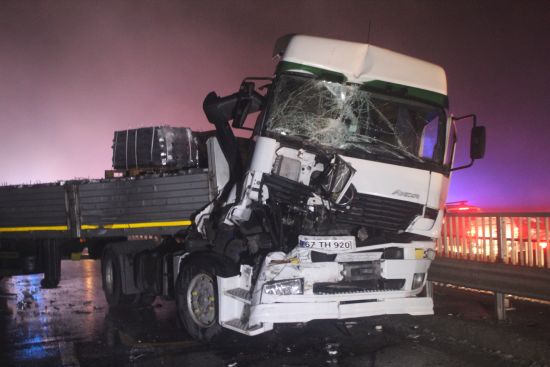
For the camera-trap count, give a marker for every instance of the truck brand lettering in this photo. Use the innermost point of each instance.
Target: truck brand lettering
(406, 194)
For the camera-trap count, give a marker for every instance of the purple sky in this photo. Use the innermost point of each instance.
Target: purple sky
(72, 72)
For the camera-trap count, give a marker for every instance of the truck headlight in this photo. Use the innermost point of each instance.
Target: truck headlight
(285, 287)
(418, 280)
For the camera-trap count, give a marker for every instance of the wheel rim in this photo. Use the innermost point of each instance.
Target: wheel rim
(109, 276)
(201, 300)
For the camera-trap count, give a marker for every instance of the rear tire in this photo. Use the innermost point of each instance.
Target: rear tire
(112, 282)
(197, 300)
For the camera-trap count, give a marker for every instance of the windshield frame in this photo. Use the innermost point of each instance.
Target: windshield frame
(296, 142)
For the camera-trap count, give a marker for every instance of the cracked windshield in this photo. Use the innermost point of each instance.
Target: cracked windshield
(345, 118)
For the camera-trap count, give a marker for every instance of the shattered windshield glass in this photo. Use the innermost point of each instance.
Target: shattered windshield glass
(347, 118)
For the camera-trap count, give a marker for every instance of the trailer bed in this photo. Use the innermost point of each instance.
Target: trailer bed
(148, 205)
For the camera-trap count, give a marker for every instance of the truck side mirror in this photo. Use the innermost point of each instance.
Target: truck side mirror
(236, 106)
(249, 101)
(219, 109)
(477, 141)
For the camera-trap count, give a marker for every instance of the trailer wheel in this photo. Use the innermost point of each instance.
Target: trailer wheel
(51, 260)
(112, 283)
(197, 300)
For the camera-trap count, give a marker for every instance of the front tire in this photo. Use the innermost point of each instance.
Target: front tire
(197, 300)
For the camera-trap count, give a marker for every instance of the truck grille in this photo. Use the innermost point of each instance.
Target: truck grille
(378, 212)
(359, 286)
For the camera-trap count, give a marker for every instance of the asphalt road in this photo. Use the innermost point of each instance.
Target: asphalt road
(72, 326)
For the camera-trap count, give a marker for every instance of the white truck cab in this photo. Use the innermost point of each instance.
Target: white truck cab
(344, 193)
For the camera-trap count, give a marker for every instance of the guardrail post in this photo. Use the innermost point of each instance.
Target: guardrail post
(500, 306)
(501, 239)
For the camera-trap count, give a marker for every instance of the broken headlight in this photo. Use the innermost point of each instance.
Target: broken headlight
(285, 287)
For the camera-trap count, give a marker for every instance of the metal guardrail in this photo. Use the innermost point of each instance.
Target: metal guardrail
(511, 238)
(499, 278)
(507, 253)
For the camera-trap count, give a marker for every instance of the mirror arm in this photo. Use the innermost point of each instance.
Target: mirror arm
(249, 101)
(474, 119)
(464, 166)
(218, 112)
(472, 115)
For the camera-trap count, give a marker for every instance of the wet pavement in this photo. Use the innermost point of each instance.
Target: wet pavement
(72, 326)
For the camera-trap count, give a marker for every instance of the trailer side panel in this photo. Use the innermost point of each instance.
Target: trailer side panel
(33, 211)
(147, 205)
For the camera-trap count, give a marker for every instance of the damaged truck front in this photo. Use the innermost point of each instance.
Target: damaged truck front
(335, 212)
(329, 211)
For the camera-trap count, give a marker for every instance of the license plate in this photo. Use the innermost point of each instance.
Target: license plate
(327, 244)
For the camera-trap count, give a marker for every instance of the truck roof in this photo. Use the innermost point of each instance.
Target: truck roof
(362, 62)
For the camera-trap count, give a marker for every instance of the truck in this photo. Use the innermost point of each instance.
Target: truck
(330, 210)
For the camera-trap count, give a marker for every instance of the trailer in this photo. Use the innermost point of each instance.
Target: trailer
(92, 213)
(329, 211)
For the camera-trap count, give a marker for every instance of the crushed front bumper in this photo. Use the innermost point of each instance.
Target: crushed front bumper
(304, 312)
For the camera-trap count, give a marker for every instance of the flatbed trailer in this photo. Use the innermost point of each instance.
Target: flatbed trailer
(41, 223)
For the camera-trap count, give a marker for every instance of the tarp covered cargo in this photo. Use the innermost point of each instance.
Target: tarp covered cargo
(157, 146)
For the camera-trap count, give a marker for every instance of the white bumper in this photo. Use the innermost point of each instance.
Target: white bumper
(252, 310)
(303, 312)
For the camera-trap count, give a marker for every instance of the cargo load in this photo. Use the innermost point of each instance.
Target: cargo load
(155, 147)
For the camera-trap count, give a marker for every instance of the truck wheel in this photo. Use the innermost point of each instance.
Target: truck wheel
(112, 283)
(197, 300)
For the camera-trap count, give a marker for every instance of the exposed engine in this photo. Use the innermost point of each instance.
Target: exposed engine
(298, 192)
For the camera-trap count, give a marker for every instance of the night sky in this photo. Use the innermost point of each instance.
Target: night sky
(72, 72)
